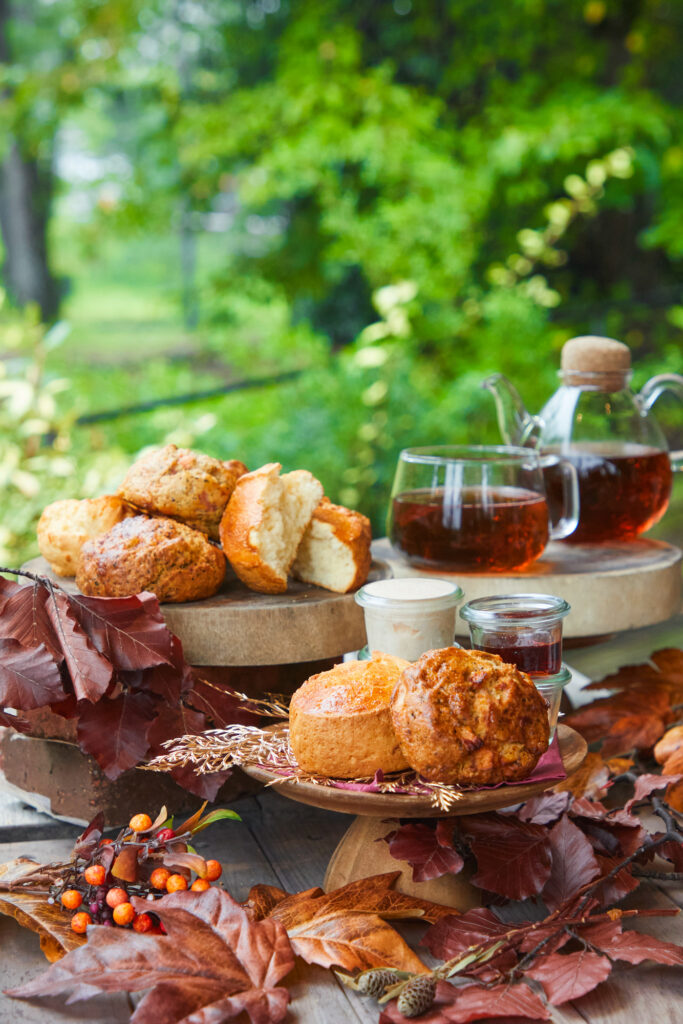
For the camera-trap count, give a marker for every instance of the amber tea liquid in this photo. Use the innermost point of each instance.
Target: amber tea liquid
(472, 530)
(623, 490)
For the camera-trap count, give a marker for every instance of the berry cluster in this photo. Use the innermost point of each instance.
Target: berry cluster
(94, 889)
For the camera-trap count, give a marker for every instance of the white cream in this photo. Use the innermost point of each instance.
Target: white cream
(407, 617)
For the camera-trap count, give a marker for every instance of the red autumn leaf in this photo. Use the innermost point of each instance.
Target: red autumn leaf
(115, 731)
(474, 1002)
(547, 807)
(87, 842)
(549, 934)
(631, 945)
(125, 866)
(171, 722)
(646, 784)
(129, 631)
(419, 846)
(566, 976)
(261, 900)
(613, 890)
(213, 964)
(625, 721)
(456, 933)
(672, 851)
(219, 704)
(592, 779)
(13, 722)
(29, 676)
(573, 863)
(23, 616)
(170, 680)
(513, 857)
(90, 671)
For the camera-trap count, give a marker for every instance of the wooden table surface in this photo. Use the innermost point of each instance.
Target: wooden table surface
(287, 844)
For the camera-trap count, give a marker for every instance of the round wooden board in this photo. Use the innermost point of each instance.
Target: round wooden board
(573, 749)
(241, 627)
(611, 587)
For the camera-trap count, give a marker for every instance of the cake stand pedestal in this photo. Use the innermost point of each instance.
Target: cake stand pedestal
(359, 854)
(610, 587)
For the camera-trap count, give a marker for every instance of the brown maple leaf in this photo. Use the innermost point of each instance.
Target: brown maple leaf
(345, 928)
(213, 964)
(52, 924)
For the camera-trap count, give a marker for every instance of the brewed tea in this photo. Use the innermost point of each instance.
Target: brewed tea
(474, 529)
(623, 490)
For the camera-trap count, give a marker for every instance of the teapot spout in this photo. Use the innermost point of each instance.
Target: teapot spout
(517, 425)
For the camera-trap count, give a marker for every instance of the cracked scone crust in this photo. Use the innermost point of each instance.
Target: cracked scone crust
(162, 556)
(184, 485)
(468, 718)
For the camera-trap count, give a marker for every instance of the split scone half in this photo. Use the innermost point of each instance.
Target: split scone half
(264, 522)
(335, 549)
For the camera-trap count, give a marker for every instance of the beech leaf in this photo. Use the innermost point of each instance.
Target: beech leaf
(90, 671)
(454, 935)
(115, 731)
(474, 1002)
(573, 863)
(547, 807)
(631, 945)
(213, 964)
(29, 676)
(129, 631)
(219, 703)
(87, 842)
(13, 722)
(646, 784)
(566, 976)
(513, 857)
(23, 616)
(419, 846)
(618, 886)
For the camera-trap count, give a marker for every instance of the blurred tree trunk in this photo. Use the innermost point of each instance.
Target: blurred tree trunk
(25, 202)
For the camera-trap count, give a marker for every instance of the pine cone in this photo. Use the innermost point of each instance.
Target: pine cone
(416, 997)
(373, 983)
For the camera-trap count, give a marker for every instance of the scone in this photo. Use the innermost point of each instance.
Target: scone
(335, 549)
(468, 718)
(339, 721)
(183, 485)
(264, 522)
(66, 525)
(167, 558)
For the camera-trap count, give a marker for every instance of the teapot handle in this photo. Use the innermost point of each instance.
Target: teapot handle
(649, 394)
(570, 496)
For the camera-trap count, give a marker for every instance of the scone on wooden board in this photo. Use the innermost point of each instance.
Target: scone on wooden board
(468, 718)
(160, 555)
(182, 484)
(335, 549)
(264, 522)
(340, 723)
(66, 525)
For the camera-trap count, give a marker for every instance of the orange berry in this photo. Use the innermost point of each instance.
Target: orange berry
(71, 898)
(199, 885)
(213, 870)
(105, 842)
(140, 822)
(95, 874)
(124, 914)
(176, 883)
(159, 878)
(143, 923)
(80, 921)
(116, 897)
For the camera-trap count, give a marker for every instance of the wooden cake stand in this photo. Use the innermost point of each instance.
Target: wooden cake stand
(610, 587)
(240, 627)
(360, 854)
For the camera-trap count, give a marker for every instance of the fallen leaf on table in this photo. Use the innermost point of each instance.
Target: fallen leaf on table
(423, 848)
(213, 964)
(52, 925)
(573, 863)
(345, 928)
(566, 976)
(473, 1002)
(627, 720)
(456, 934)
(631, 946)
(513, 857)
(591, 779)
(262, 899)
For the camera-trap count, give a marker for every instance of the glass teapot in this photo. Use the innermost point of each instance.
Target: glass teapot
(598, 424)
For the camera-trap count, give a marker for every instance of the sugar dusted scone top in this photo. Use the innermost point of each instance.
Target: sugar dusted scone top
(340, 723)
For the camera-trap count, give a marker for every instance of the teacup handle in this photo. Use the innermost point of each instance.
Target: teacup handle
(570, 497)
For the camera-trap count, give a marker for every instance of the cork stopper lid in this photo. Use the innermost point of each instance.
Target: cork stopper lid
(607, 361)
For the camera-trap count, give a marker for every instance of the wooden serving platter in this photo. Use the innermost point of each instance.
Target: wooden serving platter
(241, 627)
(573, 750)
(610, 587)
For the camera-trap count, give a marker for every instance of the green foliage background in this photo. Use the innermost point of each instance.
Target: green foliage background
(416, 195)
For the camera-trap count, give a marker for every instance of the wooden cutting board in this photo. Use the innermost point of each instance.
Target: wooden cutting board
(610, 587)
(240, 627)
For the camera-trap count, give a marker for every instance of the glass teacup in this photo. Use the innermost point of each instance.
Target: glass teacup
(476, 508)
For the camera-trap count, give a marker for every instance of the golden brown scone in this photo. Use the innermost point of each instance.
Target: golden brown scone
(183, 485)
(335, 549)
(467, 718)
(340, 723)
(171, 560)
(66, 525)
(264, 522)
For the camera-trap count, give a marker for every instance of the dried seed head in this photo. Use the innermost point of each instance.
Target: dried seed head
(374, 982)
(417, 997)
